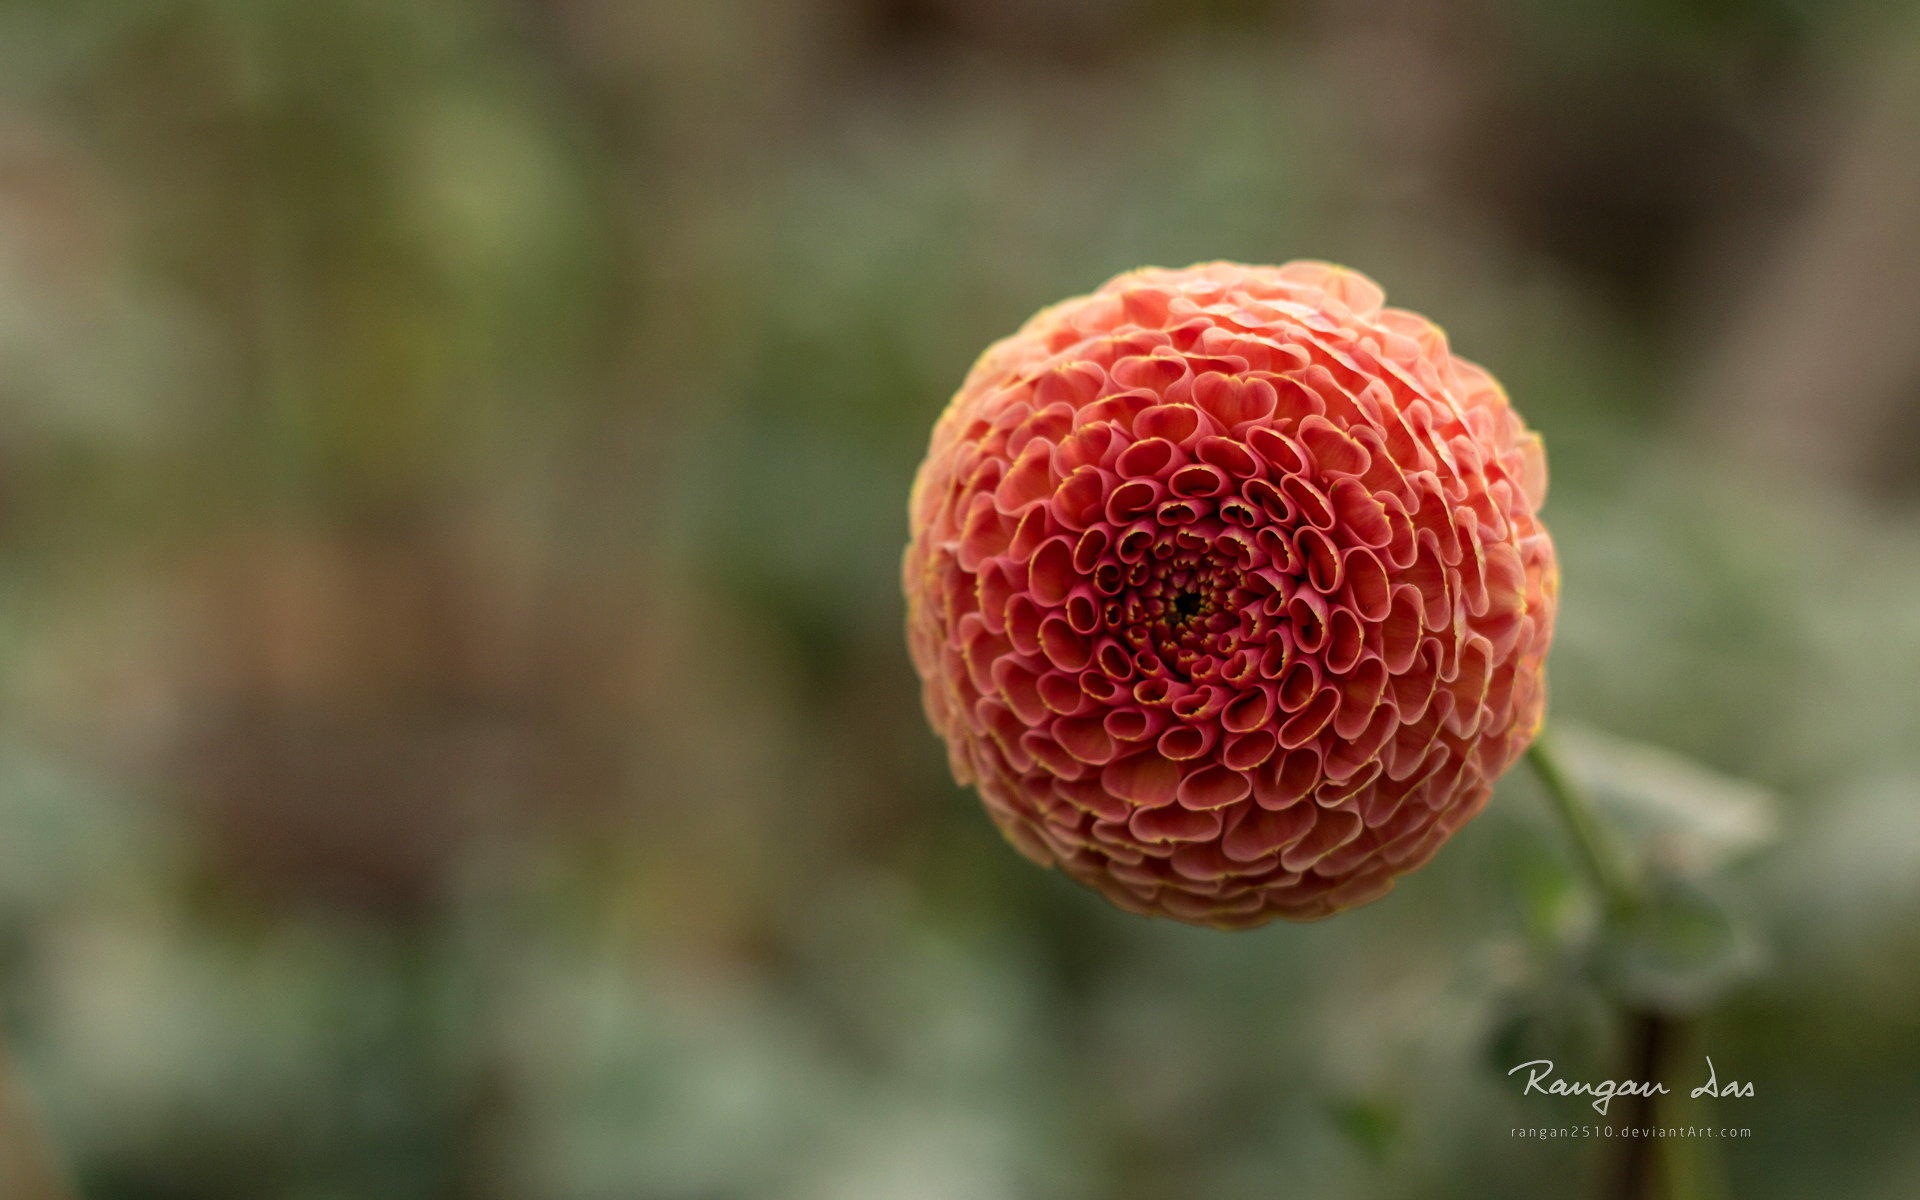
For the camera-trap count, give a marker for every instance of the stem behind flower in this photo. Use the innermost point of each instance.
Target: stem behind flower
(1597, 854)
(1637, 1173)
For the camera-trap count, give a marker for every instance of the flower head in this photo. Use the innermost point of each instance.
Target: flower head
(1227, 591)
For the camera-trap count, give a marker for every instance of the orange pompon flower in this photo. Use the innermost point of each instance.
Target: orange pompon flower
(1227, 590)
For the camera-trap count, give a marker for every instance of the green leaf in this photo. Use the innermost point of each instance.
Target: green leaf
(1557, 1018)
(1680, 950)
(1678, 817)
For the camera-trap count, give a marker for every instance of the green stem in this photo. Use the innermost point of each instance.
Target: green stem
(1597, 853)
(1688, 1168)
(1682, 1174)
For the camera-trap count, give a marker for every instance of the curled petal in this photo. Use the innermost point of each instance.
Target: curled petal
(1174, 824)
(1149, 458)
(1146, 780)
(1213, 787)
(1260, 833)
(1251, 709)
(1229, 457)
(1172, 422)
(1244, 751)
(1184, 742)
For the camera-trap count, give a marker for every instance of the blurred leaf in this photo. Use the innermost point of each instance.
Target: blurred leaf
(1561, 1019)
(1678, 945)
(1681, 817)
(1680, 951)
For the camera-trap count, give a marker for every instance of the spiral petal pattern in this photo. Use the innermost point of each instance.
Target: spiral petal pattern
(1227, 590)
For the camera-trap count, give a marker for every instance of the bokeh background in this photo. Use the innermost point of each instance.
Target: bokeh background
(455, 734)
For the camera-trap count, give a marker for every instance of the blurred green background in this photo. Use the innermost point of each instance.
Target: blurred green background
(455, 734)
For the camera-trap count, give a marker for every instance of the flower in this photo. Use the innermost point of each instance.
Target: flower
(1227, 590)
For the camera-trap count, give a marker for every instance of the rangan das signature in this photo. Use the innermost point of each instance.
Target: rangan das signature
(1540, 1078)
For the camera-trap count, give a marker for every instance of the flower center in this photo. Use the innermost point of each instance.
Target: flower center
(1181, 611)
